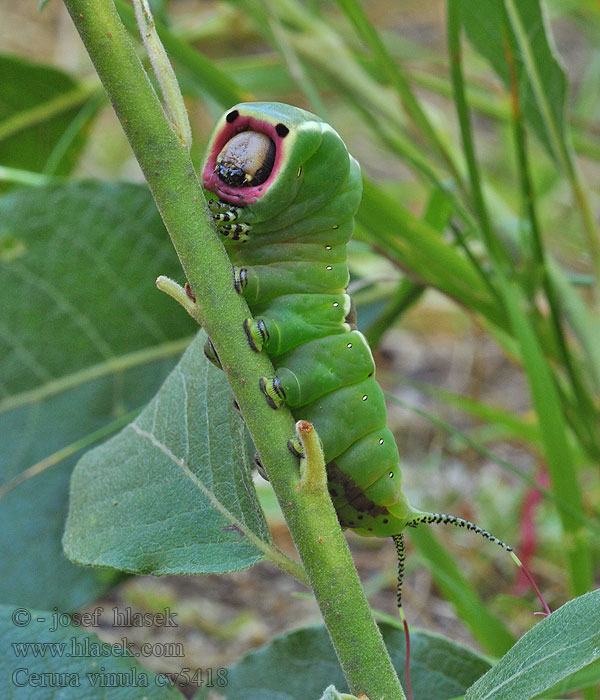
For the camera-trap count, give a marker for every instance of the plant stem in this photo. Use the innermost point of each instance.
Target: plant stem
(163, 70)
(173, 182)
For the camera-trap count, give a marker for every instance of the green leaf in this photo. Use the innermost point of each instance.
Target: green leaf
(417, 246)
(587, 677)
(407, 293)
(172, 493)
(558, 646)
(21, 664)
(85, 338)
(38, 105)
(486, 32)
(553, 429)
(440, 668)
(78, 265)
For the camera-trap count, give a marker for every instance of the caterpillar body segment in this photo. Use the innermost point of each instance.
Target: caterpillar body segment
(292, 271)
(295, 318)
(265, 283)
(311, 370)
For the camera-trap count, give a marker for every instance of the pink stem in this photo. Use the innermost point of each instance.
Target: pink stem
(529, 577)
(409, 692)
(529, 539)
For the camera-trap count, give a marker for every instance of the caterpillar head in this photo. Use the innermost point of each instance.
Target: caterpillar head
(256, 154)
(246, 160)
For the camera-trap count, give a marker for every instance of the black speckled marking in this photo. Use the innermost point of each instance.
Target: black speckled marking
(282, 130)
(444, 519)
(232, 116)
(353, 494)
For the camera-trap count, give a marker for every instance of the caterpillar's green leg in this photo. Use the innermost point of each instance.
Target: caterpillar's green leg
(275, 396)
(211, 354)
(295, 447)
(223, 211)
(259, 467)
(234, 232)
(216, 205)
(273, 391)
(256, 332)
(295, 319)
(240, 279)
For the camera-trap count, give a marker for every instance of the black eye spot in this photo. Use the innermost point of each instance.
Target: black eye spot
(385, 520)
(282, 130)
(232, 116)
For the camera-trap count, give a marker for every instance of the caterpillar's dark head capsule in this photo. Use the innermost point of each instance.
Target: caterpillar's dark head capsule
(246, 160)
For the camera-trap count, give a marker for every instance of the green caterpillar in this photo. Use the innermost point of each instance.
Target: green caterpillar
(286, 194)
(294, 190)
